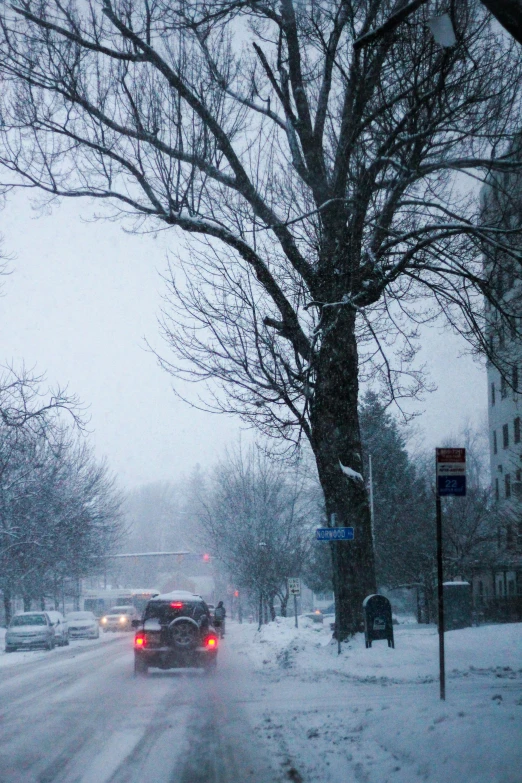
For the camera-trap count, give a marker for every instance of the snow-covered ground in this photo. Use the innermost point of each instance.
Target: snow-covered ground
(375, 715)
(282, 706)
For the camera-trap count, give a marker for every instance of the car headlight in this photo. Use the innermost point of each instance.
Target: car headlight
(104, 620)
(123, 619)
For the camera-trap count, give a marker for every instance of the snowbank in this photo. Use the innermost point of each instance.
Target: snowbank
(374, 716)
(309, 651)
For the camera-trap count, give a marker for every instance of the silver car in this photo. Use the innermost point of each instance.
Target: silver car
(82, 625)
(61, 630)
(28, 630)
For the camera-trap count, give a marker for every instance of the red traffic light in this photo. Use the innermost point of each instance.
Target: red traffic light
(236, 593)
(206, 558)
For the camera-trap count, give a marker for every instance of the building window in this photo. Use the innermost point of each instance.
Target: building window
(510, 537)
(505, 436)
(497, 491)
(507, 484)
(495, 445)
(516, 428)
(503, 387)
(492, 392)
(514, 379)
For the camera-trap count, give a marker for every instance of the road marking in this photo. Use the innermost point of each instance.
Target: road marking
(120, 745)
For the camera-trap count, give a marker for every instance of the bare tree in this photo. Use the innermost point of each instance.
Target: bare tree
(321, 179)
(59, 513)
(255, 520)
(24, 404)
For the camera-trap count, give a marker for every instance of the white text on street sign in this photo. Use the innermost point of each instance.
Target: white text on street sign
(294, 585)
(334, 533)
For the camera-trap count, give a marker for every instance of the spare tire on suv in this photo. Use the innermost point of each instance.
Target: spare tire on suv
(184, 633)
(175, 632)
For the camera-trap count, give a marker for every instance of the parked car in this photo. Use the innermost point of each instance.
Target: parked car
(119, 618)
(175, 632)
(61, 628)
(83, 625)
(28, 630)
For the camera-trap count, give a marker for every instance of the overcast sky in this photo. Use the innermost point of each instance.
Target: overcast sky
(78, 304)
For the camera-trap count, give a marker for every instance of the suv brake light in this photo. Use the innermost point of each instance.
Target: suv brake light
(211, 642)
(140, 640)
(177, 605)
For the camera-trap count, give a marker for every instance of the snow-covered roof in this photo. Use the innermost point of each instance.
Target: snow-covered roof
(177, 595)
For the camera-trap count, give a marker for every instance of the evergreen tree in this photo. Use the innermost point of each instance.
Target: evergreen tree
(403, 524)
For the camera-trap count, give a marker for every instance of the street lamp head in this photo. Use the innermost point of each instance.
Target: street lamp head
(442, 30)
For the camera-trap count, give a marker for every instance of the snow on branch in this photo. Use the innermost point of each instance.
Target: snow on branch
(352, 474)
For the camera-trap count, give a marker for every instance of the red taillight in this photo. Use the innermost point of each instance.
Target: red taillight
(140, 640)
(177, 605)
(212, 641)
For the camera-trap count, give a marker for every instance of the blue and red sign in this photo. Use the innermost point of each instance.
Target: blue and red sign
(451, 472)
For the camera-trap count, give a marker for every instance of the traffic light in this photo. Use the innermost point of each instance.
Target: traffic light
(206, 558)
(236, 593)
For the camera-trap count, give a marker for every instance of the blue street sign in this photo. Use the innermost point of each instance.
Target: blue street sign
(334, 534)
(451, 485)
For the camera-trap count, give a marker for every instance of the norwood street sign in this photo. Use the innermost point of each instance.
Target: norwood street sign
(334, 534)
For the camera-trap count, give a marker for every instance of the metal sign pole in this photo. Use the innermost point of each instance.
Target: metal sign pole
(440, 601)
(295, 610)
(450, 474)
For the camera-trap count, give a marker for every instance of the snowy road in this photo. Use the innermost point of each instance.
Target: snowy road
(283, 707)
(78, 715)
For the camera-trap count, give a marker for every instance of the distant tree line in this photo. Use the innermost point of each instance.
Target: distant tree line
(59, 509)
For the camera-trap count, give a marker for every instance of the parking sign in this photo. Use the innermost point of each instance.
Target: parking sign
(451, 472)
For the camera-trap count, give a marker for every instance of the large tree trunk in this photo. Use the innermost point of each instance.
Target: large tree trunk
(336, 443)
(7, 605)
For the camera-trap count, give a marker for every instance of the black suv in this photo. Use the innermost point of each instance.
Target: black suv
(175, 632)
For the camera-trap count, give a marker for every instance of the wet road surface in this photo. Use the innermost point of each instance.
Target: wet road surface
(78, 715)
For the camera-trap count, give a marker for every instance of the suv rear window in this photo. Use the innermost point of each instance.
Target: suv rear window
(165, 611)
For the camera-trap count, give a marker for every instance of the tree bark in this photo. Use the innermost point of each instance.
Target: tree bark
(283, 597)
(260, 612)
(7, 606)
(336, 442)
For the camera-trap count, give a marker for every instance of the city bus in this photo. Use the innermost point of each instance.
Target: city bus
(100, 601)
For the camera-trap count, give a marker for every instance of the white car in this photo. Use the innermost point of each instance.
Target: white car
(83, 625)
(28, 630)
(61, 629)
(119, 618)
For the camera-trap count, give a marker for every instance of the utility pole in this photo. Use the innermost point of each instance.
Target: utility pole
(372, 512)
